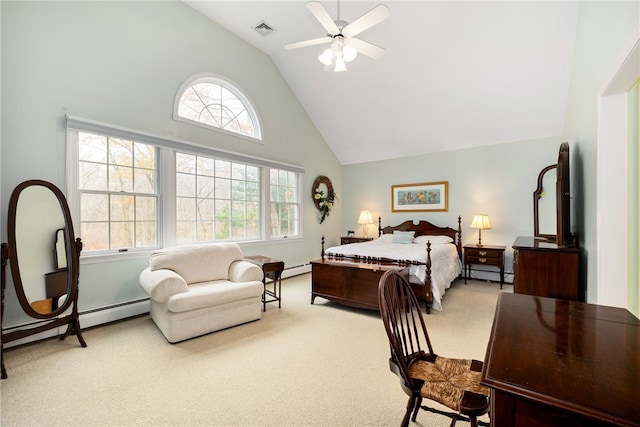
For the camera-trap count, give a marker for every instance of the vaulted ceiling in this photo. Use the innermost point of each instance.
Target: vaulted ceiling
(455, 74)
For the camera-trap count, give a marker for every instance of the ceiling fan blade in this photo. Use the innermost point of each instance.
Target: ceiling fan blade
(366, 21)
(306, 43)
(365, 48)
(322, 15)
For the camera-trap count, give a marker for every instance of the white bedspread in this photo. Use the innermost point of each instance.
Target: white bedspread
(445, 263)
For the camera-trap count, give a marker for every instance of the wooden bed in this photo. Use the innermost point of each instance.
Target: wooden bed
(353, 280)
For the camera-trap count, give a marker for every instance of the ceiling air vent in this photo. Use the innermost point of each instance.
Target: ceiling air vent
(263, 28)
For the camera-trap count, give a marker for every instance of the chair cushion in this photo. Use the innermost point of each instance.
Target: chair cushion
(446, 380)
(197, 263)
(210, 294)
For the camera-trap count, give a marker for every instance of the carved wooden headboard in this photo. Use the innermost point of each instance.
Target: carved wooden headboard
(425, 228)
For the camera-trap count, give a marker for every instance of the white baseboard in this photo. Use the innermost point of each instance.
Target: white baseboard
(296, 271)
(122, 311)
(111, 314)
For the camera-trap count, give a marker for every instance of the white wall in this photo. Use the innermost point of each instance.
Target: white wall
(122, 63)
(604, 29)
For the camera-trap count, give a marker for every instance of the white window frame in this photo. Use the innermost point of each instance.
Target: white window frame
(231, 87)
(166, 182)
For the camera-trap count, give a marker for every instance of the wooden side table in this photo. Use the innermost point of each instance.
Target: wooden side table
(486, 255)
(271, 268)
(346, 240)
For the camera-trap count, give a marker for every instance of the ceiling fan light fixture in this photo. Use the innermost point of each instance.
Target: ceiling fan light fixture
(349, 53)
(340, 65)
(326, 58)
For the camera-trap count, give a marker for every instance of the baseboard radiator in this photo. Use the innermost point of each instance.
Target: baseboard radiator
(115, 312)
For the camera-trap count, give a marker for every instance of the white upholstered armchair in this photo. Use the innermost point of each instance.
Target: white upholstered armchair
(201, 288)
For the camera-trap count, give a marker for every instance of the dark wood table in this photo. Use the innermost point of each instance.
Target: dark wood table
(553, 362)
(272, 269)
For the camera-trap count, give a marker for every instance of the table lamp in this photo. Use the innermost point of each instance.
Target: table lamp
(481, 222)
(365, 219)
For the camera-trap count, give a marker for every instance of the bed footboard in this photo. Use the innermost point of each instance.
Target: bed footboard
(353, 280)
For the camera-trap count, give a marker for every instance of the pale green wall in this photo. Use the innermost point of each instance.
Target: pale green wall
(498, 180)
(122, 63)
(602, 32)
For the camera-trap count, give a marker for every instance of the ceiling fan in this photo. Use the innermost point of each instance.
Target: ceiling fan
(344, 46)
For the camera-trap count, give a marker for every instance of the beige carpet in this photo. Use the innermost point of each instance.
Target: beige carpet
(301, 365)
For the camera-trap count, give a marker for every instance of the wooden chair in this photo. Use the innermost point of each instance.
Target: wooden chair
(454, 383)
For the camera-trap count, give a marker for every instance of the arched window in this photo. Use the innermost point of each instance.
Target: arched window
(214, 102)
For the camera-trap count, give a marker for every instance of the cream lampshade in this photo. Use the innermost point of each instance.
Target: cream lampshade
(365, 219)
(481, 222)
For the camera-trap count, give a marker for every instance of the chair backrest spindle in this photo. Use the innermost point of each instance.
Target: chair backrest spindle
(403, 321)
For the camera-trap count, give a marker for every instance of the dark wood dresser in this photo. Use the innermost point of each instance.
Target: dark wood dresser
(553, 362)
(543, 268)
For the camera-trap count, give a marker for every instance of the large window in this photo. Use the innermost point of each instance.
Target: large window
(215, 102)
(118, 193)
(132, 191)
(285, 208)
(216, 199)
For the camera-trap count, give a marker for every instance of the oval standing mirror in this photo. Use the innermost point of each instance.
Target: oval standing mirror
(544, 204)
(44, 259)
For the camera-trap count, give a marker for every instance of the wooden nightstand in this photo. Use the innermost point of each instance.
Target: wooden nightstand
(486, 255)
(346, 240)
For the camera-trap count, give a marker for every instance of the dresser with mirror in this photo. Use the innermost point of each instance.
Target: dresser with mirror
(547, 263)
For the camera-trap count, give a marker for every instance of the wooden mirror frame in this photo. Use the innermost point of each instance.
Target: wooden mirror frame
(563, 236)
(10, 255)
(537, 195)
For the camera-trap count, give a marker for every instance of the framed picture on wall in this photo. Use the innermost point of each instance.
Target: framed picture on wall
(422, 197)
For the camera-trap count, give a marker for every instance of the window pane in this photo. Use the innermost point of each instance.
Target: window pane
(120, 178)
(122, 208)
(253, 211)
(185, 209)
(92, 176)
(205, 230)
(206, 186)
(92, 148)
(206, 166)
(95, 236)
(185, 231)
(146, 234)
(237, 211)
(144, 156)
(185, 163)
(238, 192)
(223, 169)
(121, 235)
(120, 152)
(223, 189)
(205, 209)
(238, 171)
(146, 209)
(185, 185)
(144, 181)
(94, 207)
(253, 191)
(223, 230)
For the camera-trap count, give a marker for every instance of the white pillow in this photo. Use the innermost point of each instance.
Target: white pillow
(403, 237)
(386, 238)
(435, 240)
